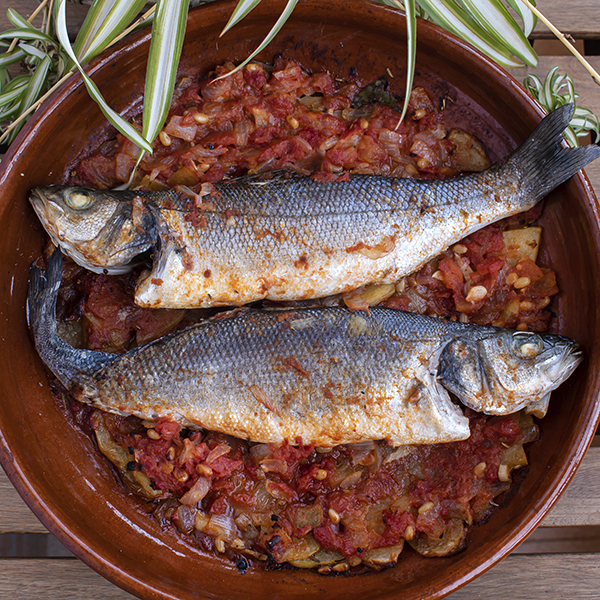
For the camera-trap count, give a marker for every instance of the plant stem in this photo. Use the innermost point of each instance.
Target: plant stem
(565, 41)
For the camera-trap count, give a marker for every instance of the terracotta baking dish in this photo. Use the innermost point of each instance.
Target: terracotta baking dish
(56, 467)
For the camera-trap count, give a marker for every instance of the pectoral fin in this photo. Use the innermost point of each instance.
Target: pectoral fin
(428, 416)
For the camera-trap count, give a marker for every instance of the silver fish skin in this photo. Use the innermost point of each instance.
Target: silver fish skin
(295, 238)
(325, 375)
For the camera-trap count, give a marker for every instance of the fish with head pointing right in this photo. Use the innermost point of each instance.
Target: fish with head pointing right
(327, 375)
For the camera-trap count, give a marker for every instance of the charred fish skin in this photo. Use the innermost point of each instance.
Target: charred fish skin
(296, 238)
(327, 376)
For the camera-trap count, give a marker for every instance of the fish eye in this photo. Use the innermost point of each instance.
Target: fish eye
(78, 199)
(527, 345)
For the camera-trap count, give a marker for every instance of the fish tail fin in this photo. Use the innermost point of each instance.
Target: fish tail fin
(42, 296)
(62, 359)
(544, 160)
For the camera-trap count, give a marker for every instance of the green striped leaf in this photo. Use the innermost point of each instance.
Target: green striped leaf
(497, 21)
(10, 58)
(450, 16)
(14, 89)
(17, 20)
(117, 121)
(27, 34)
(32, 51)
(239, 12)
(168, 31)
(527, 16)
(31, 92)
(36, 84)
(287, 11)
(558, 90)
(411, 41)
(105, 20)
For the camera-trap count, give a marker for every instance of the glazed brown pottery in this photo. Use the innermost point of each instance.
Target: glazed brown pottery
(56, 467)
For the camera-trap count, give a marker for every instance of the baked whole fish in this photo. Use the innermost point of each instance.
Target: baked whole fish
(295, 238)
(325, 375)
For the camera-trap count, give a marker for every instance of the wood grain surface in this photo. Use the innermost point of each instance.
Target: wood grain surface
(579, 18)
(547, 577)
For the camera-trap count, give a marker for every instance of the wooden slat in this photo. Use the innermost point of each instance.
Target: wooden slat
(15, 516)
(580, 503)
(580, 18)
(555, 540)
(55, 579)
(527, 577)
(522, 577)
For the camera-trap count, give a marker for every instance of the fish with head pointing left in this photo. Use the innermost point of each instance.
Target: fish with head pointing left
(325, 375)
(296, 238)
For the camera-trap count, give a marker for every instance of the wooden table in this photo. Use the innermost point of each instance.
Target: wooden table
(531, 572)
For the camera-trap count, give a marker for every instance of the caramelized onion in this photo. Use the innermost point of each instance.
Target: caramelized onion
(197, 492)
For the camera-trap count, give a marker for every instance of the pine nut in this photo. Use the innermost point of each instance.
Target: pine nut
(425, 507)
(181, 476)
(204, 470)
(511, 278)
(294, 124)
(321, 474)
(153, 434)
(504, 473)
(201, 118)
(459, 248)
(543, 302)
(409, 533)
(164, 138)
(411, 170)
(526, 305)
(334, 516)
(476, 293)
(480, 469)
(521, 282)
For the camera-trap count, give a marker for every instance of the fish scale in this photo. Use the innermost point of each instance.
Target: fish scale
(293, 231)
(324, 375)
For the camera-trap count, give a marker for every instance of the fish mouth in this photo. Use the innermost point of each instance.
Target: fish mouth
(564, 362)
(47, 210)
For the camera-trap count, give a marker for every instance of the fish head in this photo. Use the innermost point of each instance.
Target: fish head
(97, 229)
(505, 371)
